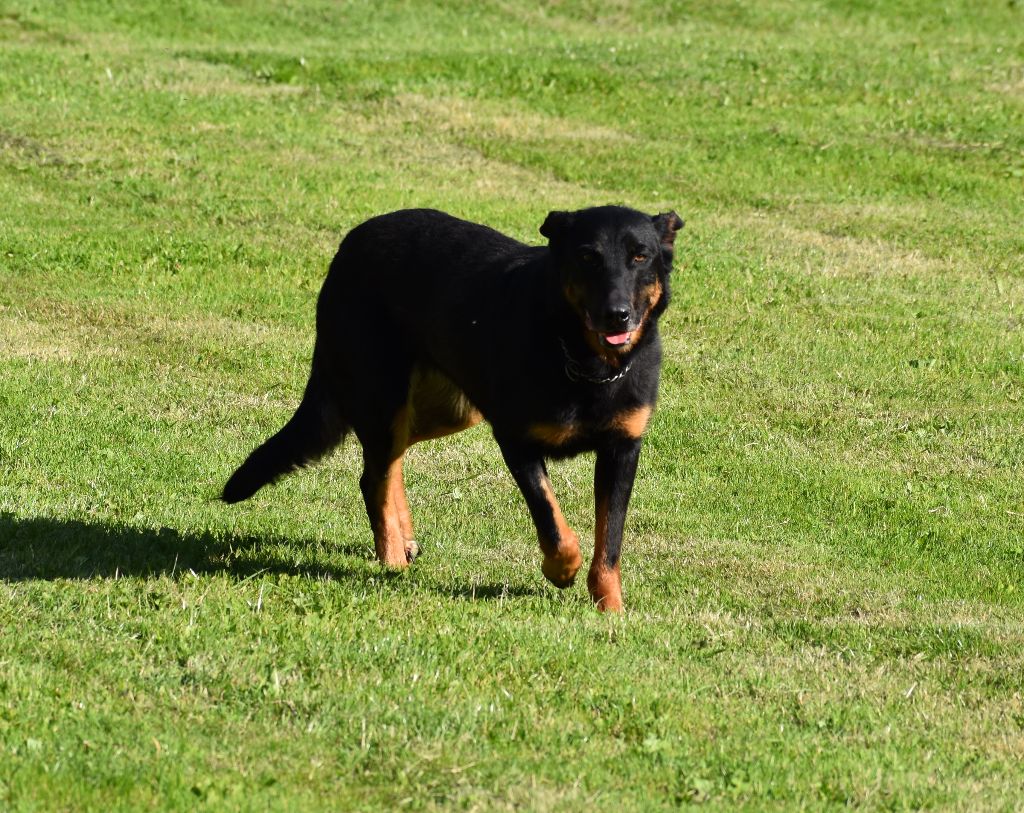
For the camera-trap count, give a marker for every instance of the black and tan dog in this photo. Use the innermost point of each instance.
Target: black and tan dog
(426, 324)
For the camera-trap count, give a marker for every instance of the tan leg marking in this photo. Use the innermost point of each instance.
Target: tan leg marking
(388, 537)
(400, 504)
(562, 557)
(603, 582)
(389, 533)
(438, 407)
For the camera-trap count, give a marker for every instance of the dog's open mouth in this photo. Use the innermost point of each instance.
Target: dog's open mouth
(617, 339)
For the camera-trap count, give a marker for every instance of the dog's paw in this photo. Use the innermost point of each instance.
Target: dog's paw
(412, 550)
(561, 570)
(560, 582)
(605, 587)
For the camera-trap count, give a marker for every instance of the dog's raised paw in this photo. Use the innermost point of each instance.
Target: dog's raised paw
(561, 570)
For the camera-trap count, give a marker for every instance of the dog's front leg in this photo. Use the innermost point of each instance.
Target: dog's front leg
(613, 484)
(558, 543)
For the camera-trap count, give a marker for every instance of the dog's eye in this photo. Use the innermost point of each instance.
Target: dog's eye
(639, 258)
(588, 257)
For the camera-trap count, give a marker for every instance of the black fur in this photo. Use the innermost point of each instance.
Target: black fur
(425, 319)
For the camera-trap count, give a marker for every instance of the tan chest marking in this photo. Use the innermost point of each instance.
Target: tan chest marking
(553, 434)
(632, 422)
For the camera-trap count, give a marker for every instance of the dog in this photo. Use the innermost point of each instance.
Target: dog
(427, 324)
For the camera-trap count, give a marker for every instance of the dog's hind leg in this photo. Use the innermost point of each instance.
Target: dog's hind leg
(400, 506)
(435, 407)
(384, 444)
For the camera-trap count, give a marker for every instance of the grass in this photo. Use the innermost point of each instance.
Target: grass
(824, 551)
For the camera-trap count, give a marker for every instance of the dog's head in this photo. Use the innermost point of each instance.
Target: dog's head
(613, 265)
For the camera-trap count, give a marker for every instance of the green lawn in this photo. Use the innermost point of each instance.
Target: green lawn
(824, 552)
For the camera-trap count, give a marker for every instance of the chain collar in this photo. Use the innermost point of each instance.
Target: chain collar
(574, 371)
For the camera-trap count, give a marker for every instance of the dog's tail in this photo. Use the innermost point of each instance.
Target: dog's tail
(315, 429)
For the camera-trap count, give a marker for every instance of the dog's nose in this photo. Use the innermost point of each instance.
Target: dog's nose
(618, 317)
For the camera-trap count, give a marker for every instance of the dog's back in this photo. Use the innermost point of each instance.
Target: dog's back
(422, 287)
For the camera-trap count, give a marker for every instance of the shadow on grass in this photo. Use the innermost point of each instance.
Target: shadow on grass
(45, 548)
(490, 592)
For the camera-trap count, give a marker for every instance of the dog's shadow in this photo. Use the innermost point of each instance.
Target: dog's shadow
(47, 549)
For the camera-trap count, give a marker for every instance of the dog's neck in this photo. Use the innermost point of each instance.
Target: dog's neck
(576, 370)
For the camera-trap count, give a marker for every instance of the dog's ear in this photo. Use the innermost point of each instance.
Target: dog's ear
(556, 224)
(667, 225)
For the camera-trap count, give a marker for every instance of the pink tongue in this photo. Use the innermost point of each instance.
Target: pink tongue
(616, 338)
